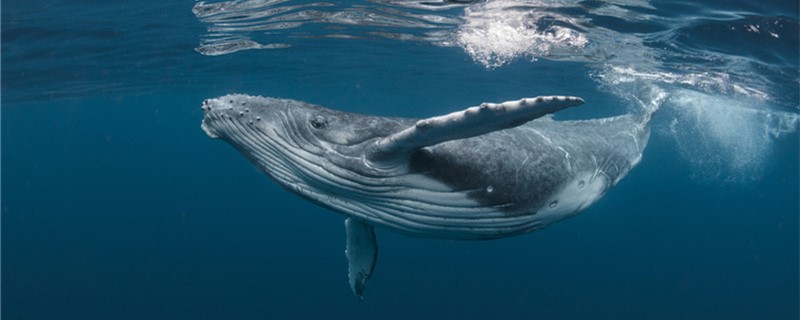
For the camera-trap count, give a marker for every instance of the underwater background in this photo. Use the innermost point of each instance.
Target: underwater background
(116, 205)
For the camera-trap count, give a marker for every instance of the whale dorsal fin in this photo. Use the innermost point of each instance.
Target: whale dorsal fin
(473, 121)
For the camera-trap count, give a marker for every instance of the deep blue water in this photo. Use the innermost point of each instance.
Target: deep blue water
(115, 205)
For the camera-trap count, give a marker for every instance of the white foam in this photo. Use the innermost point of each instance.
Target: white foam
(495, 33)
(724, 128)
(726, 139)
(708, 81)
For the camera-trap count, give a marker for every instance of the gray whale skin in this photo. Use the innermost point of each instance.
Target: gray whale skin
(489, 171)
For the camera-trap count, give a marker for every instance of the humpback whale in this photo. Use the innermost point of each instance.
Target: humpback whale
(489, 171)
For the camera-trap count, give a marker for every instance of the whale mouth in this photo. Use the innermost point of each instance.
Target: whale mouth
(208, 118)
(208, 129)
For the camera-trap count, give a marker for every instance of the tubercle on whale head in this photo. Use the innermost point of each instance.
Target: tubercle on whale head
(228, 112)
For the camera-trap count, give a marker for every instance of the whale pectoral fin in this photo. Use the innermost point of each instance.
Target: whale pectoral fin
(362, 252)
(468, 123)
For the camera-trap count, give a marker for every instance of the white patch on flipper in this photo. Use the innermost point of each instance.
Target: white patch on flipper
(577, 195)
(361, 252)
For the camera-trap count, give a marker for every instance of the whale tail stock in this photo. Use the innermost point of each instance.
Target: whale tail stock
(649, 98)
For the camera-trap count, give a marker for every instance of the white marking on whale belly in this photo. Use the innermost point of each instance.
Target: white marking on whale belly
(576, 195)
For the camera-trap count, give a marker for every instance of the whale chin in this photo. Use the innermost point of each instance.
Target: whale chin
(211, 132)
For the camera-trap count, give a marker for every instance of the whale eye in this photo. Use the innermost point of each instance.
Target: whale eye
(318, 122)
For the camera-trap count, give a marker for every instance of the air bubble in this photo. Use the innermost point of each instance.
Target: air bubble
(553, 204)
(581, 184)
(489, 189)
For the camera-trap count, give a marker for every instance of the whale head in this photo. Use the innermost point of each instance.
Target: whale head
(304, 147)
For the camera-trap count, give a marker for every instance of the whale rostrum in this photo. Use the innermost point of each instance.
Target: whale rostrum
(489, 171)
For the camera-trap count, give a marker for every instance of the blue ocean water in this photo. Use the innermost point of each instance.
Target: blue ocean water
(115, 205)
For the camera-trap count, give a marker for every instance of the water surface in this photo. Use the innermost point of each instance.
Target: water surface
(116, 205)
